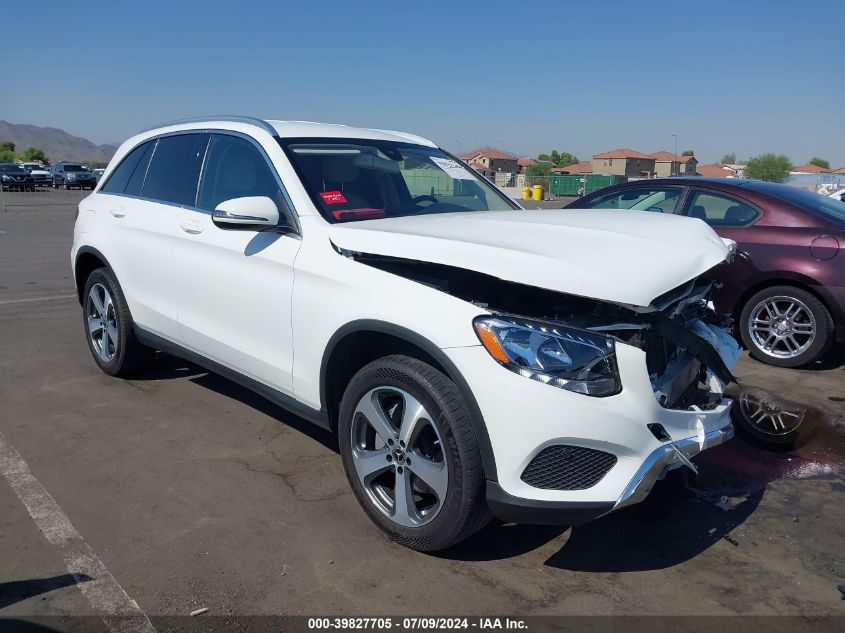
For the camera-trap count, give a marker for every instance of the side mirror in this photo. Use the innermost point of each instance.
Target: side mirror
(250, 212)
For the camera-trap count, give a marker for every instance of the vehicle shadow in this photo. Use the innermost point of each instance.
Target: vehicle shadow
(19, 590)
(681, 518)
(167, 367)
(671, 526)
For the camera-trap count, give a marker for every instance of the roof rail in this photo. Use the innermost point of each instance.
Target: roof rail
(222, 117)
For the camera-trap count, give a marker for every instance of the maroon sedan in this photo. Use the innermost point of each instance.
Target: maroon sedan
(786, 287)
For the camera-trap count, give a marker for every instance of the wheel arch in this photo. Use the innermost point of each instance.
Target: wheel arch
(360, 342)
(788, 279)
(88, 259)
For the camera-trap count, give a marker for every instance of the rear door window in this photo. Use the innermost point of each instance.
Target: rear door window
(656, 199)
(174, 169)
(720, 209)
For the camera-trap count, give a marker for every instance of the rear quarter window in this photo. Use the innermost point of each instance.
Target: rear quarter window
(123, 172)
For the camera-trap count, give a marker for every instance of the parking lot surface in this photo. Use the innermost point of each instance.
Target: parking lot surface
(193, 492)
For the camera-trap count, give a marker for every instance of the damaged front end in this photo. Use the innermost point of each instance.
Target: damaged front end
(688, 352)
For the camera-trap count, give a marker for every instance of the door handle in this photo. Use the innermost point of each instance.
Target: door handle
(190, 227)
(118, 212)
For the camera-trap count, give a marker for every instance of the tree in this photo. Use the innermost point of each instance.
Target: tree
(729, 159)
(32, 154)
(537, 170)
(771, 167)
(567, 159)
(820, 162)
(688, 152)
(555, 156)
(545, 158)
(7, 152)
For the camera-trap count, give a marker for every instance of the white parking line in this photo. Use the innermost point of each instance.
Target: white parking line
(119, 612)
(6, 302)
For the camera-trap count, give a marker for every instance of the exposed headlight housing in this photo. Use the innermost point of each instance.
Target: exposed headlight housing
(570, 358)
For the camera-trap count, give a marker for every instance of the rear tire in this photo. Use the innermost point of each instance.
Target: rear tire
(108, 326)
(432, 462)
(786, 326)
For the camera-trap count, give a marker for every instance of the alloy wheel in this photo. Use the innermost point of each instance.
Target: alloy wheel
(769, 417)
(782, 327)
(101, 320)
(399, 457)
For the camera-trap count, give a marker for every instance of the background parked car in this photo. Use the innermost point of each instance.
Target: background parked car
(69, 175)
(786, 287)
(41, 175)
(15, 178)
(839, 194)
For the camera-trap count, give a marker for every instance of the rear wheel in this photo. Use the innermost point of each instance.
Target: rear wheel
(108, 326)
(411, 455)
(786, 326)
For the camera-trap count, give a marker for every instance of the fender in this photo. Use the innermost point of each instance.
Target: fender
(476, 418)
(87, 250)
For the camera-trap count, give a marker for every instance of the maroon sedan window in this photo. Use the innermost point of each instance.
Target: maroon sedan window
(720, 209)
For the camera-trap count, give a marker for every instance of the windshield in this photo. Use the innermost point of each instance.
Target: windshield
(12, 168)
(363, 179)
(74, 168)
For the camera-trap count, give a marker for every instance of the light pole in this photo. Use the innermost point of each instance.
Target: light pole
(676, 154)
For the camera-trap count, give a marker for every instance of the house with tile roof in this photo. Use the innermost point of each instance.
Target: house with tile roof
(809, 169)
(581, 167)
(624, 162)
(669, 164)
(490, 158)
(715, 171)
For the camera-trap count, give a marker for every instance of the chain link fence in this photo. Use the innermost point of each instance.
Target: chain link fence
(15, 198)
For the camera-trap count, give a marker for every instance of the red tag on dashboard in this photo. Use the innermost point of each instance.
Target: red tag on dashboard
(333, 197)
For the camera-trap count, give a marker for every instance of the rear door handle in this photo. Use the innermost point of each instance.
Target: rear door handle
(118, 212)
(190, 227)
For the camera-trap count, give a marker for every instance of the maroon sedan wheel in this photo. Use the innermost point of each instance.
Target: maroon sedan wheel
(786, 326)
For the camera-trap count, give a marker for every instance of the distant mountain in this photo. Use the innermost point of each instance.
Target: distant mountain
(56, 143)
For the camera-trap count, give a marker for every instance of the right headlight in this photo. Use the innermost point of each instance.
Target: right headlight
(570, 358)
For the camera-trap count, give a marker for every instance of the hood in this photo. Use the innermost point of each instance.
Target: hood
(628, 257)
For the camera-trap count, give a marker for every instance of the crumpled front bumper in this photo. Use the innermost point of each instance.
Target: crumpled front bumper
(666, 458)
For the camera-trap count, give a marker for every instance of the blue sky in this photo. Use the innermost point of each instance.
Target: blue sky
(585, 77)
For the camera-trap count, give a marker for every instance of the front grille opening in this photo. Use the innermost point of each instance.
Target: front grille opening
(563, 467)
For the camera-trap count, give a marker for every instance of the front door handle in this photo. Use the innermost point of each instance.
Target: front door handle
(118, 212)
(190, 227)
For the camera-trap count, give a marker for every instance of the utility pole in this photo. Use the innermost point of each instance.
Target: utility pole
(676, 155)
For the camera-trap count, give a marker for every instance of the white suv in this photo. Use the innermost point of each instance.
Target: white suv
(473, 358)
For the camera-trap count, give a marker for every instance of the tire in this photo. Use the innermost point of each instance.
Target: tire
(786, 326)
(125, 355)
(443, 446)
(766, 421)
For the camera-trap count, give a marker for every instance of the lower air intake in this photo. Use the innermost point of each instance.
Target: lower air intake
(567, 468)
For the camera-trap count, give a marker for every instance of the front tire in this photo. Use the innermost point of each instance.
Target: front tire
(411, 455)
(786, 326)
(109, 328)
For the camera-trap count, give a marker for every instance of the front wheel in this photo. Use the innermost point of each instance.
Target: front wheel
(786, 326)
(411, 455)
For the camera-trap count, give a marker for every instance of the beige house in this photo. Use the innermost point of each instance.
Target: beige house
(624, 162)
(489, 158)
(668, 164)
